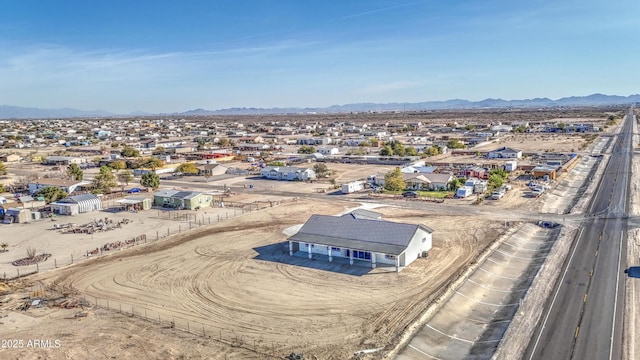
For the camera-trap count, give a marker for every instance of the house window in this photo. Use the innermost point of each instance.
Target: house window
(365, 255)
(335, 249)
(424, 239)
(389, 257)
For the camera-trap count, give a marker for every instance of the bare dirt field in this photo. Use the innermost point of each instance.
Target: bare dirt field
(561, 143)
(236, 278)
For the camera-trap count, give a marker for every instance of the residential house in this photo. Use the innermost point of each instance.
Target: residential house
(287, 173)
(182, 200)
(427, 181)
(505, 153)
(361, 238)
(67, 186)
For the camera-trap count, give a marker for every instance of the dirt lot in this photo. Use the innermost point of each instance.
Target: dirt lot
(561, 143)
(236, 277)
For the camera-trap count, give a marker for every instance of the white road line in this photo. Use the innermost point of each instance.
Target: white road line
(423, 353)
(463, 340)
(520, 257)
(555, 296)
(615, 301)
(494, 274)
(521, 248)
(483, 302)
(520, 268)
(492, 289)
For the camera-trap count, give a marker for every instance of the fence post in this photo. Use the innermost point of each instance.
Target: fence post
(37, 267)
(157, 235)
(120, 308)
(188, 327)
(218, 217)
(145, 314)
(189, 224)
(18, 272)
(55, 263)
(179, 228)
(72, 258)
(167, 231)
(203, 333)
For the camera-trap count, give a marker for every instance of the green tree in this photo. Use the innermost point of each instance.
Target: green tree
(150, 180)
(152, 163)
(104, 181)
(455, 144)
(51, 194)
(386, 150)
(394, 180)
(277, 163)
(456, 183)
(201, 142)
(74, 172)
(412, 151)
(3, 169)
(159, 150)
(495, 181)
(2, 189)
(304, 149)
(129, 151)
(125, 177)
(187, 168)
(520, 129)
(118, 165)
(320, 169)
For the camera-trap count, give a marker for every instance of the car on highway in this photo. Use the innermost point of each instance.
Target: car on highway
(134, 190)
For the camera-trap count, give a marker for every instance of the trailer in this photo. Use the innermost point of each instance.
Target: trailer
(352, 187)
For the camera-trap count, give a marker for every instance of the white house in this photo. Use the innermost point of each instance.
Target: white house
(505, 153)
(427, 181)
(328, 150)
(362, 238)
(287, 173)
(67, 186)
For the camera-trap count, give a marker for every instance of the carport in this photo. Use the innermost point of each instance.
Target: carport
(134, 204)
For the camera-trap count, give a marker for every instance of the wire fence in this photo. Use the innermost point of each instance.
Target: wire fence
(185, 221)
(262, 349)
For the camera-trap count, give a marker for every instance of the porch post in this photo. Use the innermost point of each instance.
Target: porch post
(290, 248)
(329, 251)
(309, 249)
(373, 260)
(398, 263)
(350, 257)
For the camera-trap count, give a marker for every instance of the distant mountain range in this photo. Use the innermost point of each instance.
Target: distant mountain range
(15, 112)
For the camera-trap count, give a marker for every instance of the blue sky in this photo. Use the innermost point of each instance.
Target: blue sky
(171, 56)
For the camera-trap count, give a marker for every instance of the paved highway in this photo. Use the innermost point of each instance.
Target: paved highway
(583, 317)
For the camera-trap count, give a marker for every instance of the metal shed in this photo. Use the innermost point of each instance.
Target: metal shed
(18, 215)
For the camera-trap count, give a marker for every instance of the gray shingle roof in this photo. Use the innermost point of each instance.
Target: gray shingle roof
(359, 234)
(364, 214)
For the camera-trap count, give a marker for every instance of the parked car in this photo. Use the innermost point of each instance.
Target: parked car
(410, 194)
(134, 190)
